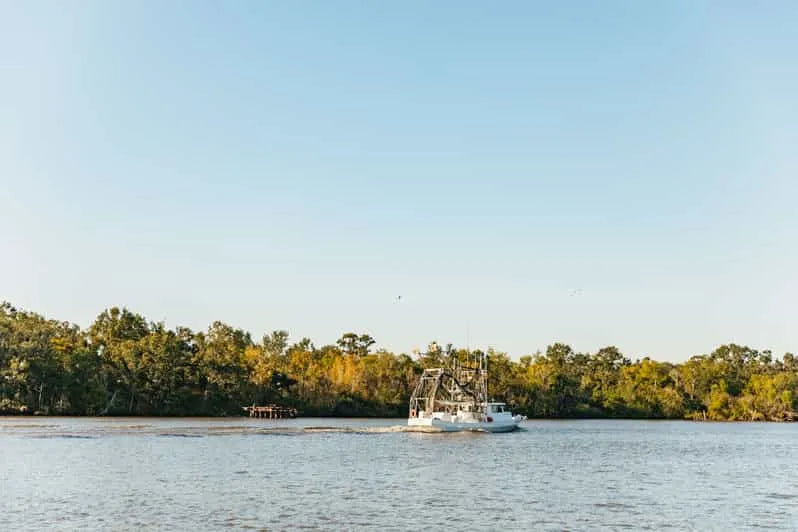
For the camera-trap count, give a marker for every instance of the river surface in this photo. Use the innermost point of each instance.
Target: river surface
(352, 474)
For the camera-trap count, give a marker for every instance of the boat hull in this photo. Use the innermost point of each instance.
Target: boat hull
(477, 426)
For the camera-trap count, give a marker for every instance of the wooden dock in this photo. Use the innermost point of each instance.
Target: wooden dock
(271, 411)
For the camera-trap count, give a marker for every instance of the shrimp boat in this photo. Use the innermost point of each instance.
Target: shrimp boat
(456, 399)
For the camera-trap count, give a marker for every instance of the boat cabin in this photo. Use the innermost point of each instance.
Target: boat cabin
(498, 408)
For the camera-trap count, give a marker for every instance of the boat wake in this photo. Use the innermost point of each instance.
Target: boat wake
(203, 432)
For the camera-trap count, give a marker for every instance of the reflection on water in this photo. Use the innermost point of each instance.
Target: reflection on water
(144, 473)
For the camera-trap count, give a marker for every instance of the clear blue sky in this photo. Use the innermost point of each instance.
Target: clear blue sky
(298, 165)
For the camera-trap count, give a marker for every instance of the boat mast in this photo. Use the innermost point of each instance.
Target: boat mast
(485, 381)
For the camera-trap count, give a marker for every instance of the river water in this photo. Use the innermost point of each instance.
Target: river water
(344, 474)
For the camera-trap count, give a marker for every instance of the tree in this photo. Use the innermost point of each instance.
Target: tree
(222, 371)
(115, 335)
(352, 344)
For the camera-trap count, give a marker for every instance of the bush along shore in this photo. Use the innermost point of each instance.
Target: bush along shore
(124, 364)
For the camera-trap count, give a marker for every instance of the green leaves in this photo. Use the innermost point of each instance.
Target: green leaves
(123, 364)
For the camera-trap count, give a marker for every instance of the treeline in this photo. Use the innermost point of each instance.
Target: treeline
(125, 365)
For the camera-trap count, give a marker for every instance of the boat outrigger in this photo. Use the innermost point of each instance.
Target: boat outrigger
(456, 399)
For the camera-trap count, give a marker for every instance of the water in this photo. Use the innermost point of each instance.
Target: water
(207, 474)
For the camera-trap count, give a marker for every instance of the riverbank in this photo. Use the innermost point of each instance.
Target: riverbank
(124, 364)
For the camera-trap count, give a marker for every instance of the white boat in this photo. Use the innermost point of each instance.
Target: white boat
(456, 399)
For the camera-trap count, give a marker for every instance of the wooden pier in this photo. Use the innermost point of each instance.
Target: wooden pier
(271, 411)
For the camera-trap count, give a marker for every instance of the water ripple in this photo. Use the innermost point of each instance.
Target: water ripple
(376, 474)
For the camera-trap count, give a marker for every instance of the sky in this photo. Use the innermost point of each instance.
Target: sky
(520, 173)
